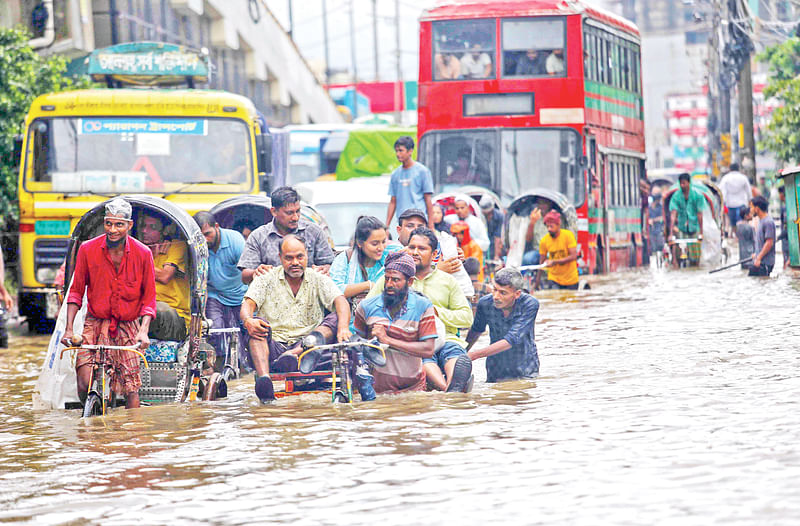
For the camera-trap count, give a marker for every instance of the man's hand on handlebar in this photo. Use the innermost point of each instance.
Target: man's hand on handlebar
(379, 332)
(343, 334)
(142, 340)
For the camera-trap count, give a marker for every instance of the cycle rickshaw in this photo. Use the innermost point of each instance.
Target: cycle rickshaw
(178, 370)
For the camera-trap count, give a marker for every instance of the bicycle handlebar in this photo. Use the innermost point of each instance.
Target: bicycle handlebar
(381, 347)
(132, 348)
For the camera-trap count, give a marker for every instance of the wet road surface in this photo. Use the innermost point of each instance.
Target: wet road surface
(664, 398)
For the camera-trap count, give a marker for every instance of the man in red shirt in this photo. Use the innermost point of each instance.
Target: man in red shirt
(116, 272)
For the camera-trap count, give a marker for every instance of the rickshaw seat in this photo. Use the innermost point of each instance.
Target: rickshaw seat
(163, 351)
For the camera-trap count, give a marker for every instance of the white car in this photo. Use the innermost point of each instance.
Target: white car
(342, 202)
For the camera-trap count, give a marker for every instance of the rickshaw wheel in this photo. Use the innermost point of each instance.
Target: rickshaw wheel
(215, 388)
(93, 406)
(340, 398)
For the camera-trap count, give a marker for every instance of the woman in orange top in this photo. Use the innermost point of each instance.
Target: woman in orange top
(460, 229)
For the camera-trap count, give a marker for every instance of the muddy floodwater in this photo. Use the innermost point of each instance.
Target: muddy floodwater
(664, 398)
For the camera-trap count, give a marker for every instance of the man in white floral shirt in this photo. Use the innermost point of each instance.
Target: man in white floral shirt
(286, 304)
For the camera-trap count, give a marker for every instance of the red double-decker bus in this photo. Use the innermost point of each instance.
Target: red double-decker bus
(539, 96)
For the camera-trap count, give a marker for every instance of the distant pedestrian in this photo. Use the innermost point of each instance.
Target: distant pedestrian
(494, 224)
(746, 235)
(736, 193)
(411, 184)
(764, 260)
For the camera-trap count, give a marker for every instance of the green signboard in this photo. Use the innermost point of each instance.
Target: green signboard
(148, 63)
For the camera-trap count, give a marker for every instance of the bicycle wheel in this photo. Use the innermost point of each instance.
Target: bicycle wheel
(340, 398)
(93, 406)
(215, 388)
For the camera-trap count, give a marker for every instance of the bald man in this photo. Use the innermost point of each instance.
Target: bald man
(286, 304)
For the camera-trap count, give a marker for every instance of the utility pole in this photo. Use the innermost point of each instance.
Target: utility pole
(291, 19)
(353, 58)
(713, 92)
(398, 87)
(375, 37)
(724, 97)
(747, 150)
(325, 41)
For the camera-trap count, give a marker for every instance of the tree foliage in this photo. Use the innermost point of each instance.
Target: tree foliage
(782, 135)
(24, 75)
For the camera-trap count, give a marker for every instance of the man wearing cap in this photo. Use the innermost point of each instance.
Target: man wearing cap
(510, 314)
(494, 224)
(558, 251)
(476, 227)
(404, 320)
(116, 273)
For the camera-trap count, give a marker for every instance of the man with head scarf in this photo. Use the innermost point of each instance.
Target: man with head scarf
(558, 251)
(477, 228)
(404, 320)
(449, 368)
(116, 273)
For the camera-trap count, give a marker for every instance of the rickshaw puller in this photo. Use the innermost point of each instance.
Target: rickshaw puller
(116, 271)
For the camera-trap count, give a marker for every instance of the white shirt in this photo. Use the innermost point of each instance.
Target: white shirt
(475, 68)
(735, 189)
(477, 230)
(554, 64)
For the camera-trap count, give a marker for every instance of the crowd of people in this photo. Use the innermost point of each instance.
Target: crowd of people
(747, 219)
(287, 291)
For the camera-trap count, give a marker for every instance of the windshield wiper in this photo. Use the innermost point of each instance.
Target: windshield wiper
(184, 187)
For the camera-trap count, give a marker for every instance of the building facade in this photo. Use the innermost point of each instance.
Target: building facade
(249, 51)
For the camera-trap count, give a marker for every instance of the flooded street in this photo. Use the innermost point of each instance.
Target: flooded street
(664, 398)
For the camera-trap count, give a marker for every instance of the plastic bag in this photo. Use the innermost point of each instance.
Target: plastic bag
(57, 383)
(711, 246)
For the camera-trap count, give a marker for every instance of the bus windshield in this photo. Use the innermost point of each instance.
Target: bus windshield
(139, 154)
(507, 161)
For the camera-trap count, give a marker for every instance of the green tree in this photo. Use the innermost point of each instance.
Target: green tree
(24, 75)
(782, 135)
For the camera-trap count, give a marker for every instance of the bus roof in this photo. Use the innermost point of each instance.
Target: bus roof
(144, 102)
(451, 9)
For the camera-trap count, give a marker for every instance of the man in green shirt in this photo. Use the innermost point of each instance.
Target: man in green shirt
(450, 368)
(686, 216)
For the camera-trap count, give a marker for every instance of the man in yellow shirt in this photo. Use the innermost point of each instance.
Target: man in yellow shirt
(172, 284)
(558, 251)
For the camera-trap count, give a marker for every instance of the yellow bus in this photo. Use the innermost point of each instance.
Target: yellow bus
(194, 147)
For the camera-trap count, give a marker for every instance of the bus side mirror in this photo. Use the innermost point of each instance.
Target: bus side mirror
(264, 153)
(17, 152)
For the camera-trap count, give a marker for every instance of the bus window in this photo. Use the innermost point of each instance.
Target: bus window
(541, 158)
(534, 47)
(460, 157)
(463, 49)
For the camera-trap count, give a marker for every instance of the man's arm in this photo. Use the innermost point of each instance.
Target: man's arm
(495, 348)
(535, 216)
(72, 310)
(423, 349)
(572, 255)
(165, 274)
(256, 328)
(343, 314)
(768, 244)
(700, 224)
(390, 212)
(458, 312)
(429, 209)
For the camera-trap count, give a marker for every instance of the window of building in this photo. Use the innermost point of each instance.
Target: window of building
(534, 47)
(463, 49)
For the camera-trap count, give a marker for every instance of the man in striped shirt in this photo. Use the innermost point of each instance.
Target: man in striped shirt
(402, 319)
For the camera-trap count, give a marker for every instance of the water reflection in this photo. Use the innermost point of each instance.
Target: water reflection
(664, 397)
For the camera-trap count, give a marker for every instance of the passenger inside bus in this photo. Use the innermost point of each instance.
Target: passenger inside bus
(467, 162)
(529, 64)
(447, 66)
(555, 63)
(476, 64)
